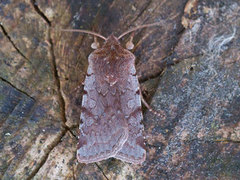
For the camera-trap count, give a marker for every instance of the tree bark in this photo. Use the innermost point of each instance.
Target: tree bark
(188, 68)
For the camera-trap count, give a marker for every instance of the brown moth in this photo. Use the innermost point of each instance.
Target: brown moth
(111, 104)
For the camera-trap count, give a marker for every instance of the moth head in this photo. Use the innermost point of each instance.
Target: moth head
(112, 42)
(129, 44)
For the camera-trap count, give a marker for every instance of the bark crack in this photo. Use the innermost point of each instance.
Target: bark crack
(56, 78)
(13, 44)
(37, 9)
(45, 157)
(57, 83)
(4, 80)
(102, 171)
(53, 62)
(70, 130)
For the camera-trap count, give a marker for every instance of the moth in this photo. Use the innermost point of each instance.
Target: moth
(111, 112)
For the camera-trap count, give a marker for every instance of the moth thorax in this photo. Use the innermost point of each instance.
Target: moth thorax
(112, 47)
(111, 79)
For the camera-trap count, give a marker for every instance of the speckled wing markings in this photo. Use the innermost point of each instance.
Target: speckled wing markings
(111, 107)
(133, 149)
(103, 131)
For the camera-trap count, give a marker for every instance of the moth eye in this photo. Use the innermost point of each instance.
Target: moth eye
(95, 45)
(129, 45)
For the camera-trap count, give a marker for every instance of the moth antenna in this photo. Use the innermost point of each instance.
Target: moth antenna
(161, 115)
(139, 27)
(84, 31)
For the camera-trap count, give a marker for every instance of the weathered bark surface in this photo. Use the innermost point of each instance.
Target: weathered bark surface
(188, 66)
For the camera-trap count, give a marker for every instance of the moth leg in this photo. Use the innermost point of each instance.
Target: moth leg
(75, 96)
(95, 44)
(78, 88)
(157, 113)
(129, 44)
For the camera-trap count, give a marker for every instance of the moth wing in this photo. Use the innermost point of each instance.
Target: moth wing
(133, 149)
(103, 130)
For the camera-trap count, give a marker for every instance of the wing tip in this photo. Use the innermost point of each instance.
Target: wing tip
(122, 157)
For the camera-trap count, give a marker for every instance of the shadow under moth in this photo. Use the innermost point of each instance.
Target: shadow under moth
(111, 104)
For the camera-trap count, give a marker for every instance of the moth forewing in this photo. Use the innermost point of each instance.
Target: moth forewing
(111, 107)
